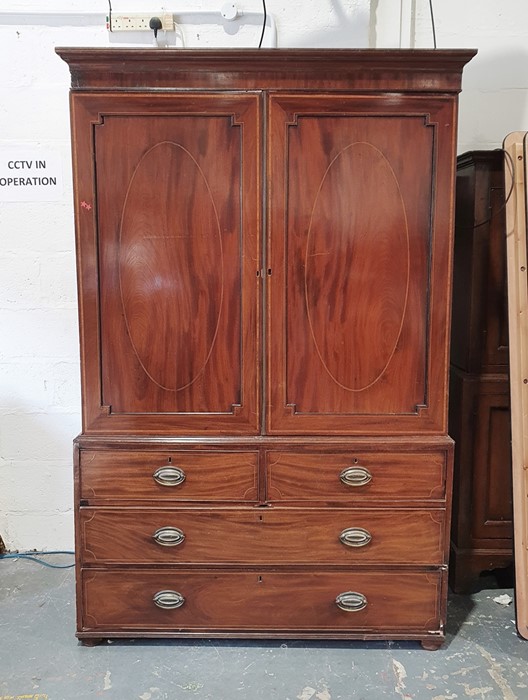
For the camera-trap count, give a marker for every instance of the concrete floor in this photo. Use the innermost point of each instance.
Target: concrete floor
(40, 658)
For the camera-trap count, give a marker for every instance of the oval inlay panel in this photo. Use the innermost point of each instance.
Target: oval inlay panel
(170, 266)
(357, 267)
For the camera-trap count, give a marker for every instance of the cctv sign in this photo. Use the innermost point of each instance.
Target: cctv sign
(30, 176)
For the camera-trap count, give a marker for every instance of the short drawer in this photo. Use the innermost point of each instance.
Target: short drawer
(392, 602)
(168, 476)
(350, 476)
(263, 536)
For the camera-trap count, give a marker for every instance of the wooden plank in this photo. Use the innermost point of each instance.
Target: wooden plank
(516, 212)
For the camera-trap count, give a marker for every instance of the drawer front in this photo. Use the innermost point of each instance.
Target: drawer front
(169, 476)
(381, 601)
(263, 536)
(351, 477)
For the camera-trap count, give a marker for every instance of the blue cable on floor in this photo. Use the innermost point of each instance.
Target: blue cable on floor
(32, 556)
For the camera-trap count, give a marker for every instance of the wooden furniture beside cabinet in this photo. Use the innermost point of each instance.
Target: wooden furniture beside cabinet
(516, 147)
(264, 256)
(479, 412)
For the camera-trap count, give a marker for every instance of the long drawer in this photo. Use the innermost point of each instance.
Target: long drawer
(179, 601)
(263, 536)
(356, 476)
(168, 476)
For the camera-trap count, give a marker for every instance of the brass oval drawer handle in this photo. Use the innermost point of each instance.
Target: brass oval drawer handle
(351, 601)
(355, 476)
(169, 536)
(169, 476)
(355, 537)
(168, 600)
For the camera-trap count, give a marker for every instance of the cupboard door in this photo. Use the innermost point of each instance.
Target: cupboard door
(168, 221)
(359, 262)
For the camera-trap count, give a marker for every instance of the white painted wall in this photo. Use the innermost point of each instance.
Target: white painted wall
(39, 376)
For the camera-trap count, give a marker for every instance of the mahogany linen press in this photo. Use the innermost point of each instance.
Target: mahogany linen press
(264, 249)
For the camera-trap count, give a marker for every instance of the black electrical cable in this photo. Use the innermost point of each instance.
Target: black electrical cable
(433, 22)
(263, 22)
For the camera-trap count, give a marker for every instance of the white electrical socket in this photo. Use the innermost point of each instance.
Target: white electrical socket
(139, 22)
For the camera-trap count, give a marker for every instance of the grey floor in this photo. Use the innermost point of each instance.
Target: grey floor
(40, 658)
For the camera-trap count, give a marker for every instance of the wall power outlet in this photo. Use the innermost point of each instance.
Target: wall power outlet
(138, 22)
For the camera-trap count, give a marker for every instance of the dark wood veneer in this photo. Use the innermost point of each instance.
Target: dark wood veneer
(264, 259)
(479, 413)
